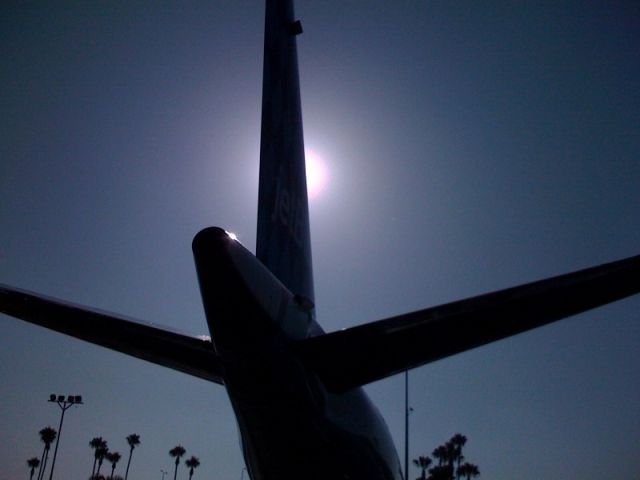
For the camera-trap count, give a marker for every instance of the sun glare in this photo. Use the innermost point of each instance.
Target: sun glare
(317, 173)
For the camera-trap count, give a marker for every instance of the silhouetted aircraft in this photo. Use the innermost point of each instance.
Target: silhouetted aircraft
(296, 391)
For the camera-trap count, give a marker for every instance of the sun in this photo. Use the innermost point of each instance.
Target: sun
(317, 173)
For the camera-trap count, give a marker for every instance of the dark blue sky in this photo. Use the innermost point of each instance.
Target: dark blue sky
(471, 147)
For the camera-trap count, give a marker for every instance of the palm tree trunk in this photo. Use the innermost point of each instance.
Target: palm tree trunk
(93, 470)
(128, 463)
(41, 463)
(175, 474)
(33, 469)
(44, 465)
(113, 468)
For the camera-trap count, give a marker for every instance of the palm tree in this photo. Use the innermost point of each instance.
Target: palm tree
(33, 463)
(452, 453)
(177, 452)
(440, 472)
(113, 458)
(95, 444)
(192, 463)
(133, 440)
(101, 453)
(458, 441)
(423, 463)
(468, 470)
(47, 435)
(440, 453)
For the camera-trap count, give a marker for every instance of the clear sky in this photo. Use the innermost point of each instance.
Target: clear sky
(471, 146)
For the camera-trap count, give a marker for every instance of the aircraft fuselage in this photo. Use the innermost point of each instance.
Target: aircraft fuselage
(288, 420)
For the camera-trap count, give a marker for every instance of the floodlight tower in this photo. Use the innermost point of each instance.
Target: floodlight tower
(64, 403)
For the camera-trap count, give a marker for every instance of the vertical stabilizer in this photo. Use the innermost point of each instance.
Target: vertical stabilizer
(283, 242)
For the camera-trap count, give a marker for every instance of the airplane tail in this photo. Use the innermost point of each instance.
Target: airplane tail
(283, 240)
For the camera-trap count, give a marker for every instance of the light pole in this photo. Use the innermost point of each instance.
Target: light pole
(407, 412)
(406, 424)
(163, 473)
(64, 404)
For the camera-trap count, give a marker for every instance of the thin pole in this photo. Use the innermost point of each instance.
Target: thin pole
(406, 424)
(55, 451)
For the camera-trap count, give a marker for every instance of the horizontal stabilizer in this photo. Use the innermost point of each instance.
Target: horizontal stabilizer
(192, 355)
(369, 352)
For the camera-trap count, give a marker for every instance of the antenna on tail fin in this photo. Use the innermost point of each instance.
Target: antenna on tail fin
(283, 243)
